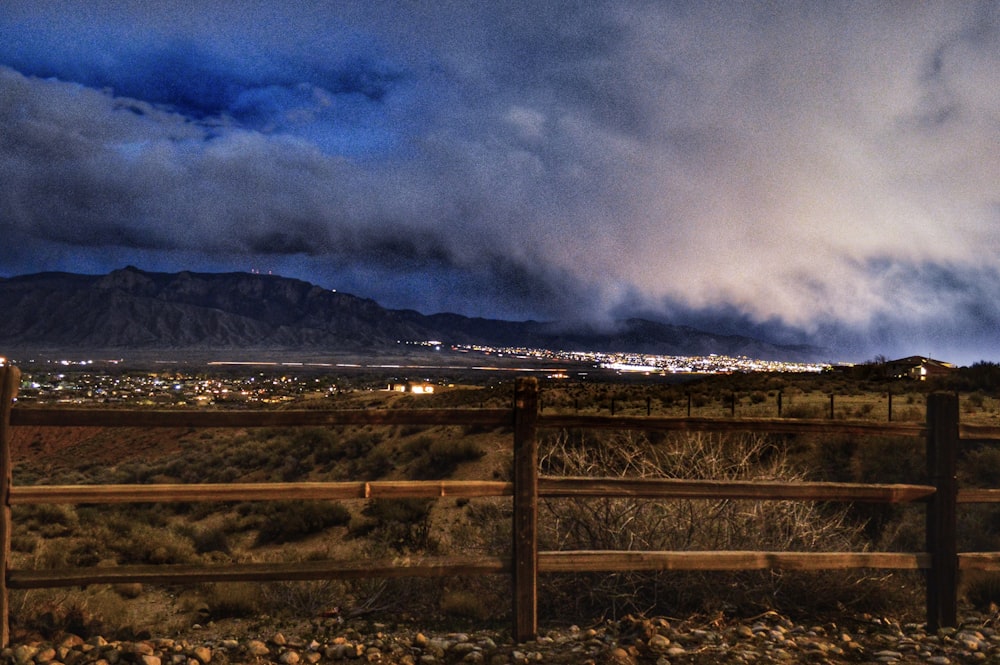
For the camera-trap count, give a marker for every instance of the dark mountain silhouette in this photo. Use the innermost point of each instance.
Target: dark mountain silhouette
(134, 309)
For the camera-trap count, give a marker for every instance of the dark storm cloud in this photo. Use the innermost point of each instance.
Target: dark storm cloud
(183, 75)
(817, 171)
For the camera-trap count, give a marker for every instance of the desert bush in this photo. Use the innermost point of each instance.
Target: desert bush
(910, 414)
(293, 468)
(692, 525)
(53, 553)
(23, 543)
(400, 524)
(285, 521)
(83, 612)
(864, 411)
(49, 520)
(488, 526)
(231, 599)
(804, 410)
(438, 458)
(981, 589)
(308, 598)
(207, 539)
(466, 604)
(147, 544)
(980, 467)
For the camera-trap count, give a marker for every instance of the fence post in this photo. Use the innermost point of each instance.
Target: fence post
(10, 380)
(525, 531)
(942, 452)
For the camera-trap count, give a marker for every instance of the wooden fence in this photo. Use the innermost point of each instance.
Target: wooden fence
(940, 560)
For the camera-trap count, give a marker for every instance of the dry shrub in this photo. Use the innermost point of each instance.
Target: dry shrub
(692, 525)
(309, 598)
(981, 589)
(147, 544)
(401, 524)
(808, 411)
(49, 520)
(438, 458)
(286, 521)
(231, 599)
(84, 612)
(465, 604)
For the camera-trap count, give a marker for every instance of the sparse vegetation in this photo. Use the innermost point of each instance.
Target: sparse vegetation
(287, 521)
(692, 525)
(54, 536)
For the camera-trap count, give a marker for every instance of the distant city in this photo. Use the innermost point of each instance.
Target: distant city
(650, 363)
(84, 383)
(243, 383)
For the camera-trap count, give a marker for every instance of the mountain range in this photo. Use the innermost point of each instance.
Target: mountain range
(139, 310)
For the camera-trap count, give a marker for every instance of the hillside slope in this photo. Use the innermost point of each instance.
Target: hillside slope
(134, 309)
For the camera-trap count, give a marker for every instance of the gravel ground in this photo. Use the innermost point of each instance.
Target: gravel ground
(767, 638)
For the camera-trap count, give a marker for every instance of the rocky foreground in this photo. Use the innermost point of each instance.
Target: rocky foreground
(768, 638)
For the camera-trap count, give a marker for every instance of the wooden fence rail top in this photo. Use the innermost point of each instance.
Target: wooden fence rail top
(979, 432)
(259, 572)
(615, 561)
(169, 492)
(978, 496)
(315, 417)
(989, 561)
(671, 488)
(548, 562)
(763, 425)
(102, 417)
(548, 486)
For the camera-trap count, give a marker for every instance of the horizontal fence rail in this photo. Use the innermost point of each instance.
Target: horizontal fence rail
(123, 418)
(762, 425)
(259, 572)
(622, 562)
(161, 493)
(757, 490)
(940, 561)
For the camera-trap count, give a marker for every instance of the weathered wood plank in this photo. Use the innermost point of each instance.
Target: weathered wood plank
(185, 418)
(979, 432)
(764, 425)
(978, 496)
(988, 561)
(102, 417)
(525, 519)
(672, 488)
(161, 493)
(10, 381)
(259, 572)
(942, 517)
(619, 561)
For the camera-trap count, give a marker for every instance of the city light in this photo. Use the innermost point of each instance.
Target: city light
(81, 382)
(651, 363)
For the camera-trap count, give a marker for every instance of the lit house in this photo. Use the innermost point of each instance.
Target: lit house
(918, 368)
(414, 387)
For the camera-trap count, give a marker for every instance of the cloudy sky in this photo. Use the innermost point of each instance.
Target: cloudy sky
(823, 172)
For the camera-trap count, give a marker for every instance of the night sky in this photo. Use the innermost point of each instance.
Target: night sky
(811, 172)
